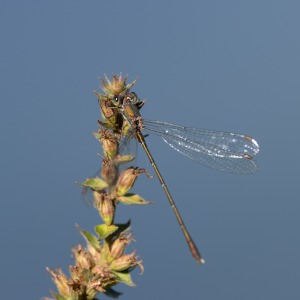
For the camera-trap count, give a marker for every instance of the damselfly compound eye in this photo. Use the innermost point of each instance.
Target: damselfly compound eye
(132, 98)
(116, 100)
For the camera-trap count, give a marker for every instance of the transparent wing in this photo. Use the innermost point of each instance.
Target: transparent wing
(87, 195)
(224, 151)
(127, 146)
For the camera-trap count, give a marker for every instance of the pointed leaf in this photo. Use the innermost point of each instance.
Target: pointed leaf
(90, 238)
(96, 183)
(132, 199)
(104, 230)
(124, 277)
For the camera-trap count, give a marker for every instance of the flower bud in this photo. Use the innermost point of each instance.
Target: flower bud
(108, 113)
(105, 206)
(95, 254)
(109, 171)
(82, 257)
(109, 142)
(127, 179)
(124, 262)
(61, 281)
(119, 245)
(103, 279)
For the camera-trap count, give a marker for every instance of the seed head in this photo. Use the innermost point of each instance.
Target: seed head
(116, 86)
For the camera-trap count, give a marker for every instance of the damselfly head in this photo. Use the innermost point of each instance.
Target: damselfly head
(129, 98)
(115, 92)
(133, 99)
(117, 100)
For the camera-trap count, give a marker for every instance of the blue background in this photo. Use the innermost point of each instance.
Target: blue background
(224, 65)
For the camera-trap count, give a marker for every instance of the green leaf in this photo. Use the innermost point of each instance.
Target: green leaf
(96, 183)
(132, 199)
(104, 230)
(123, 277)
(90, 238)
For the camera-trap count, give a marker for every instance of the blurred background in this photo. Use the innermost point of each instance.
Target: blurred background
(223, 65)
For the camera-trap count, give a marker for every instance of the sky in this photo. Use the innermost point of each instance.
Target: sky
(222, 65)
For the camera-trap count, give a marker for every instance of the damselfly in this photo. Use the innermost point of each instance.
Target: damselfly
(224, 151)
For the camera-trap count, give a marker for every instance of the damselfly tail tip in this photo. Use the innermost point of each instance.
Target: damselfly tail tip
(200, 260)
(194, 251)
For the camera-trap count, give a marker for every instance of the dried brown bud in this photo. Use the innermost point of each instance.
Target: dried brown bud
(127, 179)
(105, 206)
(95, 254)
(82, 257)
(109, 171)
(103, 278)
(108, 113)
(124, 262)
(61, 281)
(109, 142)
(119, 245)
(76, 274)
